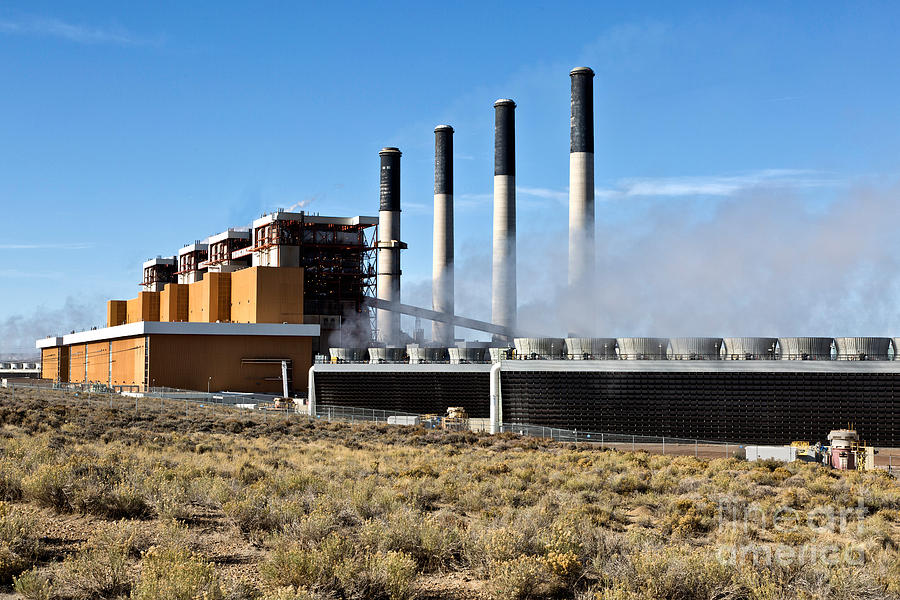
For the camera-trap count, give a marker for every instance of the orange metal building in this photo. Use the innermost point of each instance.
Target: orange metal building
(242, 357)
(228, 331)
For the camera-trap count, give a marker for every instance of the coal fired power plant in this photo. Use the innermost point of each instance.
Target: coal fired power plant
(306, 305)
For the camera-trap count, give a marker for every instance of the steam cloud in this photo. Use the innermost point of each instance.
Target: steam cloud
(765, 262)
(19, 332)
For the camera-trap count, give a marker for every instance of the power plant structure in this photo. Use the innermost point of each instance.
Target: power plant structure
(312, 305)
(581, 193)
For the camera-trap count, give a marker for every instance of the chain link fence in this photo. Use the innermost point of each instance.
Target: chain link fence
(224, 404)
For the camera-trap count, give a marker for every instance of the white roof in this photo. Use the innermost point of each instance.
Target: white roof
(170, 260)
(193, 248)
(291, 216)
(235, 234)
(180, 328)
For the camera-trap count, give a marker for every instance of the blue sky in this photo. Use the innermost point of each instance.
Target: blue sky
(131, 129)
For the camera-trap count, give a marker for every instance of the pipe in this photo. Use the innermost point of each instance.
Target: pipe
(311, 394)
(389, 246)
(496, 414)
(581, 197)
(442, 290)
(503, 273)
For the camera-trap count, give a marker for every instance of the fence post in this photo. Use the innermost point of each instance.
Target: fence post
(632, 443)
(664, 445)
(726, 449)
(696, 444)
(602, 438)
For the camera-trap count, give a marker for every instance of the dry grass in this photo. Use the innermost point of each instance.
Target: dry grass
(105, 503)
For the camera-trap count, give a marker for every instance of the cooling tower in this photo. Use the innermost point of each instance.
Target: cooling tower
(862, 348)
(349, 355)
(387, 355)
(460, 355)
(547, 348)
(749, 348)
(590, 348)
(896, 343)
(500, 353)
(643, 348)
(503, 273)
(426, 354)
(804, 348)
(442, 277)
(695, 348)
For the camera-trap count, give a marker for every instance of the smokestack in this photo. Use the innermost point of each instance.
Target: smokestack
(581, 193)
(442, 267)
(503, 281)
(389, 246)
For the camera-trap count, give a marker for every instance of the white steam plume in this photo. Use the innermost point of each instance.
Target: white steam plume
(763, 262)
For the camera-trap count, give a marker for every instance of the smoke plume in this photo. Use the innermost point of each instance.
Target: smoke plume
(19, 332)
(766, 262)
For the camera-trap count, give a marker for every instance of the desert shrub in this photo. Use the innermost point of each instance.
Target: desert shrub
(431, 542)
(377, 576)
(288, 593)
(10, 480)
(687, 517)
(79, 485)
(19, 541)
(101, 567)
(176, 574)
(253, 511)
(629, 483)
(334, 566)
(314, 568)
(32, 585)
(518, 579)
(488, 546)
(681, 573)
(47, 486)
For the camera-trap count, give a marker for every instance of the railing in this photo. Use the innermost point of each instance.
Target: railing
(217, 402)
(621, 441)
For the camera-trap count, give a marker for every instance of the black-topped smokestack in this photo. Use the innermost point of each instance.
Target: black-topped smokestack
(582, 120)
(390, 179)
(503, 280)
(389, 246)
(581, 201)
(442, 281)
(504, 137)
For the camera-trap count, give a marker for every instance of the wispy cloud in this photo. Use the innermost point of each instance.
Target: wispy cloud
(64, 246)
(417, 207)
(674, 187)
(549, 194)
(717, 185)
(22, 274)
(464, 201)
(80, 34)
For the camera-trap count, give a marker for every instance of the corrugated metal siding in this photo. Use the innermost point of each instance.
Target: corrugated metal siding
(187, 362)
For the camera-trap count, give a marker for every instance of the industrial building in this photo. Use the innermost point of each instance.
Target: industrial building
(297, 289)
(226, 312)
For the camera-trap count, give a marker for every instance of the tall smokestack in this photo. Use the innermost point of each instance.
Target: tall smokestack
(442, 268)
(581, 194)
(503, 281)
(389, 246)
